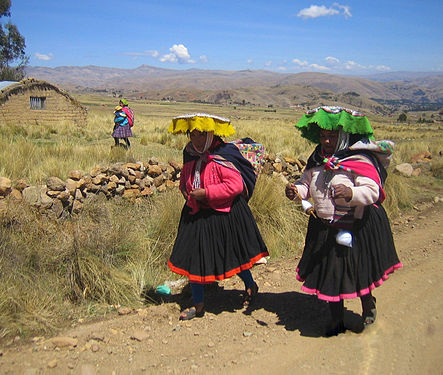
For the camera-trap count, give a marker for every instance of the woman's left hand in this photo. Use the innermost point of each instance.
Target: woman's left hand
(341, 191)
(198, 194)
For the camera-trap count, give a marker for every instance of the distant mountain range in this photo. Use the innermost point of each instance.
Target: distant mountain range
(383, 93)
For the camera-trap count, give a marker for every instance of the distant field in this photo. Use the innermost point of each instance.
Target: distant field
(35, 152)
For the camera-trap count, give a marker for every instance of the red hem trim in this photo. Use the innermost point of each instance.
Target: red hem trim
(360, 293)
(212, 278)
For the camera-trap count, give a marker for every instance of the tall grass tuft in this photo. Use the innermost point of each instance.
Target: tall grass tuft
(437, 167)
(281, 222)
(398, 195)
(105, 256)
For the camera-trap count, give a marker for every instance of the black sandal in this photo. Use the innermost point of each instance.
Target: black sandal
(369, 314)
(248, 299)
(191, 313)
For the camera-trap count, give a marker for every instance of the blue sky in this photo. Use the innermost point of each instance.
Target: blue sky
(344, 37)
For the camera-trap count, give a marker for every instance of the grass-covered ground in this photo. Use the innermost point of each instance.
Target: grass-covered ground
(52, 273)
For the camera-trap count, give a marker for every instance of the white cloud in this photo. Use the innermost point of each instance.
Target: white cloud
(41, 56)
(282, 68)
(334, 64)
(179, 53)
(299, 62)
(250, 61)
(332, 60)
(315, 11)
(305, 64)
(152, 53)
(345, 8)
(318, 67)
(352, 65)
(170, 57)
(382, 68)
(268, 63)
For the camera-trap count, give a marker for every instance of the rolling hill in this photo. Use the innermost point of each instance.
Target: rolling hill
(381, 93)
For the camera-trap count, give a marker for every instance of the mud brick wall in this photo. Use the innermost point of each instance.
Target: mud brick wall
(16, 107)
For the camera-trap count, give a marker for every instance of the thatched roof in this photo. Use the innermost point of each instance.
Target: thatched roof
(8, 88)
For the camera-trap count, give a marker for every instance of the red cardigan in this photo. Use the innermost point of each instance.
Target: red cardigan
(221, 184)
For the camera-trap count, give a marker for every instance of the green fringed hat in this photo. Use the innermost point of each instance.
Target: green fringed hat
(331, 118)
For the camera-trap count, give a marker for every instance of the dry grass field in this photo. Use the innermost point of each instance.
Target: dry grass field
(53, 273)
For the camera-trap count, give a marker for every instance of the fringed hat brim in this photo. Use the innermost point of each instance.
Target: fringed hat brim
(202, 122)
(331, 118)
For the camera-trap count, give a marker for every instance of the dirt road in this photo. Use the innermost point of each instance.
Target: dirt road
(281, 334)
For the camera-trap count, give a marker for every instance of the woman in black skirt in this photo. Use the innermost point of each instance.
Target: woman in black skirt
(217, 235)
(349, 249)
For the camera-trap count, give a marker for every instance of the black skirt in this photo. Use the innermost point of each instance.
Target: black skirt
(213, 245)
(334, 272)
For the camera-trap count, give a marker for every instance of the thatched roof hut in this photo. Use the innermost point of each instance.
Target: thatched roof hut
(34, 101)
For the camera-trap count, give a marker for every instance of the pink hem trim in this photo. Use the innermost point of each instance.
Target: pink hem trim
(360, 293)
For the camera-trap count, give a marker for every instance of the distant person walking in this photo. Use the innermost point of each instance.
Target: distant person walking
(123, 122)
(349, 249)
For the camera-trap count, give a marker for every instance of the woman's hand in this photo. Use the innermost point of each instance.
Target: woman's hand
(185, 194)
(291, 191)
(341, 191)
(198, 194)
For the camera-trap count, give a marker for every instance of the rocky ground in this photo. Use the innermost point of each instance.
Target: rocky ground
(280, 334)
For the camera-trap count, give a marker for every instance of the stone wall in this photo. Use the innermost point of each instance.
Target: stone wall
(135, 181)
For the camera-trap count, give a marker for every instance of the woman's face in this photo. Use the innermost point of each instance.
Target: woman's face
(198, 139)
(328, 140)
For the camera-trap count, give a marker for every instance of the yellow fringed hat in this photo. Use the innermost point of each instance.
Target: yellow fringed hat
(203, 122)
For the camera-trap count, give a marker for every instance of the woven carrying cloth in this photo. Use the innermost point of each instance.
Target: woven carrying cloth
(251, 151)
(331, 118)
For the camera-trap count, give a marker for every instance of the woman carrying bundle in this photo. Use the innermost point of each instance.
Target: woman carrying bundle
(217, 235)
(349, 249)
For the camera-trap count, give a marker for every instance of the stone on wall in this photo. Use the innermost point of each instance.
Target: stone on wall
(405, 169)
(21, 184)
(55, 183)
(75, 175)
(154, 170)
(5, 186)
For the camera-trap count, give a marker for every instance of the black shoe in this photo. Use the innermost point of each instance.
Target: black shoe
(191, 313)
(248, 299)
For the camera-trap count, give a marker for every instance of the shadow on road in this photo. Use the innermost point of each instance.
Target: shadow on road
(294, 310)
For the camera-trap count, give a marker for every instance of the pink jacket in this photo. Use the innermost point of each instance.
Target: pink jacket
(222, 185)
